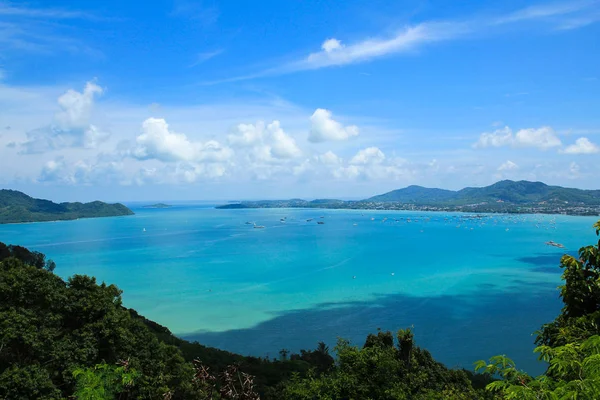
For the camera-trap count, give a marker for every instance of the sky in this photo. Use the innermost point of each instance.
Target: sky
(208, 100)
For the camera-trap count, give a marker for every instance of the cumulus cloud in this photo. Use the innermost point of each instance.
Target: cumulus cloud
(158, 142)
(582, 146)
(329, 158)
(80, 172)
(331, 45)
(324, 128)
(247, 135)
(76, 107)
(71, 126)
(268, 143)
(508, 166)
(283, 145)
(542, 138)
(370, 155)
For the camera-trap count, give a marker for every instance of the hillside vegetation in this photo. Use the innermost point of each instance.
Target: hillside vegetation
(521, 192)
(16, 207)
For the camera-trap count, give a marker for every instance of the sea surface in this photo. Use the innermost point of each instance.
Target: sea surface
(471, 287)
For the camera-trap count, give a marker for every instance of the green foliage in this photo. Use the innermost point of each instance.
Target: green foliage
(104, 381)
(570, 344)
(62, 327)
(18, 207)
(380, 370)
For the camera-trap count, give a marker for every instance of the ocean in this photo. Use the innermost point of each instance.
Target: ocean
(470, 286)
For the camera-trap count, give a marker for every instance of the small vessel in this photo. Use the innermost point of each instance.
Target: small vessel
(258, 226)
(354, 224)
(320, 222)
(551, 243)
(144, 230)
(248, 223)
(310, 219)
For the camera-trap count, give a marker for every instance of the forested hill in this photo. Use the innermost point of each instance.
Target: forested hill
(503, 196)
(16, 206)
(521, 192)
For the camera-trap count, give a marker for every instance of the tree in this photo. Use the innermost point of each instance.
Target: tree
(570, 344)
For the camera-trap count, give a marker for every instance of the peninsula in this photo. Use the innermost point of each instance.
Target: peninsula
(502, 197)
(17, 207)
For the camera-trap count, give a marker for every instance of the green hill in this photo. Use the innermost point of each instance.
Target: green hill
(415, 194)
(520, 192)
(16, 206)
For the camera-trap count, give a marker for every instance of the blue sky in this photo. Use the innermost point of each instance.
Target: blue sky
(274, 99)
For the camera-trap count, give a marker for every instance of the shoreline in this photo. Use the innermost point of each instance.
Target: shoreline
(410, 210)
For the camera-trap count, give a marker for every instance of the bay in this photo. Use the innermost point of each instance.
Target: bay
(470, 286)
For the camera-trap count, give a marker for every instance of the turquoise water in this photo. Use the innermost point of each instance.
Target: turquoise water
(471, 287)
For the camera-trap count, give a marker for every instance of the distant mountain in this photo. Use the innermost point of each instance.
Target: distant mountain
(518, 193)
(504, 197)
(415, 194)
(16, 206)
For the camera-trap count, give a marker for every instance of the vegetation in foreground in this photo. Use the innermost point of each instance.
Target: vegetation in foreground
(74, 339)
(18, 207)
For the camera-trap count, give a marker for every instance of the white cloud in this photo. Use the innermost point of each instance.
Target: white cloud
(247, 135)
(582, 146)
(76, 107)
(370, 155)
(266, 144)
(157, 142)
(324, 128)
(498, 138)
(71, 126)
(546, 11)
(283, 145)
(542, 138)
(329, 158)
(508, 166)
(574, 169)
(562, 15)
(331, 44)
(80, 172)
(334, 53)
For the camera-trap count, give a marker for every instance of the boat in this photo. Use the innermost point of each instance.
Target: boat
(258, 226)
(248, 223)
(551, 243)
(320, 222)
(144, 230)
(308, 220)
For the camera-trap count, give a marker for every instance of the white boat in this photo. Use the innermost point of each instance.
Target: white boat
(144, 230)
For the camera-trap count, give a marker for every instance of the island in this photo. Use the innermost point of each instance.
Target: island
(522, 197)
(18, 207)
(158, 205)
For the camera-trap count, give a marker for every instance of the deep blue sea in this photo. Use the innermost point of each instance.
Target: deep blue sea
(470, 287)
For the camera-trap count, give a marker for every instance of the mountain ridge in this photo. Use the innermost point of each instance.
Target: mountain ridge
(517, 192)
(505, 196)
